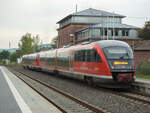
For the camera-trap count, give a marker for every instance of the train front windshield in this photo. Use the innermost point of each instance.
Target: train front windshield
(118, 52)
(119, 57)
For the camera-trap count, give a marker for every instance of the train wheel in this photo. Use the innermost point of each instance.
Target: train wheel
(89, 80)
(56, 73)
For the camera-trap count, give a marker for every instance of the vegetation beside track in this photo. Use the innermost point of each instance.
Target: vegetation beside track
(143, 71)
(143, 76)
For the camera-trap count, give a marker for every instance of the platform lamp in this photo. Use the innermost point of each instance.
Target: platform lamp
(9, 52)
(72, 37)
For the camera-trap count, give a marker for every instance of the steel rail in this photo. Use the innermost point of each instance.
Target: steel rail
(83, 103)
(128, 96)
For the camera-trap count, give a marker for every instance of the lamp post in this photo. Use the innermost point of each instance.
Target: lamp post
(9, 52)
(73, 38)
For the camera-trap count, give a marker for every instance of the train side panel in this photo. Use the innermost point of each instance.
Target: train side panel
(92, 62)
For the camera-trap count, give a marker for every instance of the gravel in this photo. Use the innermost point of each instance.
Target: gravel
(110, 102)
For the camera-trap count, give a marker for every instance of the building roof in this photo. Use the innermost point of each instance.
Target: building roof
(113, 25)
(45, 45)
(109, 25)
(11, 50)
(94, 13)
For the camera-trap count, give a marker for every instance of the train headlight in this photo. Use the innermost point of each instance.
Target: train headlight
(123, 67)
(112, 67)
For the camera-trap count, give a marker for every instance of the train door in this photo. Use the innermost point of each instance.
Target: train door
(71, 60)
(56, 59)
(37, 60)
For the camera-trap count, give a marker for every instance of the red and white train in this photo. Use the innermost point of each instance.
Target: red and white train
(107, 60)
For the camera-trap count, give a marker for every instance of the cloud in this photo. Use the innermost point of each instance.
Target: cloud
(18, 17)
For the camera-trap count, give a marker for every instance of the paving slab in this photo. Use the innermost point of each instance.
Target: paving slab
(31, 101)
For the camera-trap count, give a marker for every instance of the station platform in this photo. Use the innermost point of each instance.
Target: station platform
(142, 85)
(17, 97)
(142, 80)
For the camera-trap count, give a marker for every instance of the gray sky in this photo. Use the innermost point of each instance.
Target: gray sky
(18, 17)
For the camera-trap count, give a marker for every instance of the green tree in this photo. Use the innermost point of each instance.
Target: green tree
(144, 33)
(54, 42)
(26, 44)
(4, 55)
(29, 44)
(14, 56)
(36, 41)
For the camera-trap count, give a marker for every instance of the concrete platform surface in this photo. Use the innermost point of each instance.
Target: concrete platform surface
(142, 85)
(17, 97)
(142, 80)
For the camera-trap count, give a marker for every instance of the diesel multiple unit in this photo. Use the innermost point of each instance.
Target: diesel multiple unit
(104, 60)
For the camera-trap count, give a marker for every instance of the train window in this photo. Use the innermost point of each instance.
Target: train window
(118, 52)
(93, 56)
(76, 56)
(88, 56)
(79, 56)
(63, 60)
(98, 59)
(82, 55)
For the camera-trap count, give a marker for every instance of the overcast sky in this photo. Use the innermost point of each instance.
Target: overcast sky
(18, 17)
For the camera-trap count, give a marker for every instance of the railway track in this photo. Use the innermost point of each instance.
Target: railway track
(63, 101)
(138, 97)
(140, 102)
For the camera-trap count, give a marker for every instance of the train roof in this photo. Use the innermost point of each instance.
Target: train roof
(108, 43)
(101, 43)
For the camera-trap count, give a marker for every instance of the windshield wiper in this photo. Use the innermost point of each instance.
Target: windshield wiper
(123, 56)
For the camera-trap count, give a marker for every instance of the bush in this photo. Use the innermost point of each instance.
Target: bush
(143, 69)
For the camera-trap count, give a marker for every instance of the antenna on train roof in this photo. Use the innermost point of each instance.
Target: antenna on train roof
(84, 43)
(76, 8)
(66, 46)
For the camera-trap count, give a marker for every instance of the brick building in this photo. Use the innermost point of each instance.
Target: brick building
(66, 34)
(92, 24)
(142, 52)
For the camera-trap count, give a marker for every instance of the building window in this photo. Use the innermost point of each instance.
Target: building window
(95, 33)
(125, 33)
(112, 32)
(116, 32)
(87, 33)
(101, 30)
(105, 32)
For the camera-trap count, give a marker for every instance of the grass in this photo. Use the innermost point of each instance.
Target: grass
(143, 71)
(143, 76)
(14, 64)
